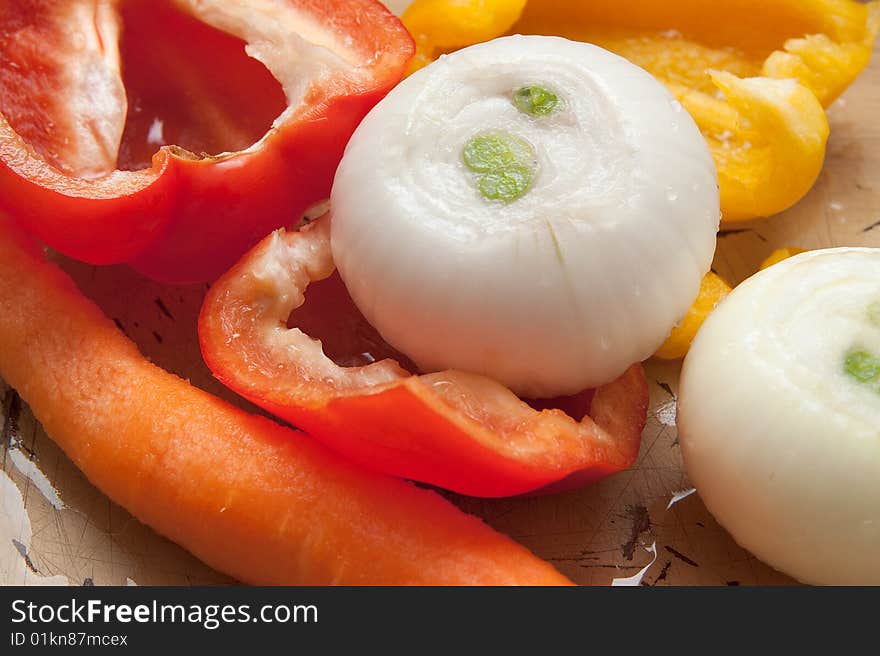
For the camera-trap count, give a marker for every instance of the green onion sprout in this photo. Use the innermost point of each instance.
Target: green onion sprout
(506, 165)
(535, 101)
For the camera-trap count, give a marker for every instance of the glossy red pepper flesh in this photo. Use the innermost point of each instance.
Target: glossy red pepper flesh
(143, 131)
(459, 431)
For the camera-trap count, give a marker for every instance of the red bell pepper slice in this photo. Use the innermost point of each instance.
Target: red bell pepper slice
(93, 93)
(459, 431)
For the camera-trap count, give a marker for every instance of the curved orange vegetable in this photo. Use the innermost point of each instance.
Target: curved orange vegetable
(753, 74)
(260, 502)
(459, 431)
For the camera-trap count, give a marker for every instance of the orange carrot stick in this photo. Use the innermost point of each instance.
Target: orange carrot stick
(258, 501)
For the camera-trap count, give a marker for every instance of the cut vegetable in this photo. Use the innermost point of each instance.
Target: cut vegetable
(713, 290)
(260, 502)
(767, 139)
(779, 416)
(779, 255)
(605, 228)
(455, 430)
(176, 134)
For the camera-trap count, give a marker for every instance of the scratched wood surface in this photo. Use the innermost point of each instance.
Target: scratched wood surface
(57, 528)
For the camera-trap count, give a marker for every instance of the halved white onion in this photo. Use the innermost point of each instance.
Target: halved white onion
(779, 418)
(556, 291)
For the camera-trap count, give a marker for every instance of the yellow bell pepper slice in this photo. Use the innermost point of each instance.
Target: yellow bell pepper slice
(767, 138)
(441, 26)
(713, 290)
(732, 64)
(780, 255)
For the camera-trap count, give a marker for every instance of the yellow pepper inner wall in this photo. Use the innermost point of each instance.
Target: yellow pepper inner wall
(751, 29)
(667, 55)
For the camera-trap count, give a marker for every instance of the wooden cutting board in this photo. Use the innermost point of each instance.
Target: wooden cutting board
(56, 528)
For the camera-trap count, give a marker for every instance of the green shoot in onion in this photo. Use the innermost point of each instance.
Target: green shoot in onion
(864, 367)
(506, 164)
(535, 101)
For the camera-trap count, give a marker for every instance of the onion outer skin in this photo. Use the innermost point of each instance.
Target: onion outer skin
(562, 289)
(782, 445)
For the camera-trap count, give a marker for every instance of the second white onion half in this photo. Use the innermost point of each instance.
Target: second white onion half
(779, 416)
(555, 290)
